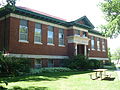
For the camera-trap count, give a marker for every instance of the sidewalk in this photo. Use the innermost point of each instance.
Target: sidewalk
(118, 70)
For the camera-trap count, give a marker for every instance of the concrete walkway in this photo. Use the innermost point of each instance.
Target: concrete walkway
(118, 70)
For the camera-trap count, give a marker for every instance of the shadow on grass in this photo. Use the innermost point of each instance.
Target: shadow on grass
(28, 88)
(109, 79)
(43, 76)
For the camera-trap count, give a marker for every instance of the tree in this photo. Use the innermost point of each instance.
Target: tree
(109, 54)
(116, 55)
(111, 10)
(11, 2)
(8, 2)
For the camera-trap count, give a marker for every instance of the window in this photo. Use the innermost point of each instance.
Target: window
(38, 63)
(98, 44)
(84, 34)
(92, 43)
(77, 32)
(23, 31)
(50, 35)
(61, 37)
(50, 63)
(103, 45)
(37, 34)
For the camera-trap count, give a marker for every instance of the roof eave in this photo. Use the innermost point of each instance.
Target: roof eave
(40, 16)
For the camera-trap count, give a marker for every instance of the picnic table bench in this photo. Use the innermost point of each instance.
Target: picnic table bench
(100, 73)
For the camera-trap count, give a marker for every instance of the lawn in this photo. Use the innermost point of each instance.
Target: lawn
(61, 81)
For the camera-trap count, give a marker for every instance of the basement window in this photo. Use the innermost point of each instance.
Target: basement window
(38, 64)
(50, 63)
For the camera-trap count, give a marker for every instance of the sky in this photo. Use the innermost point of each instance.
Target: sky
(71, 10)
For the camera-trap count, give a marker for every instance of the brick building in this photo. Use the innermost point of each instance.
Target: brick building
(47, 40)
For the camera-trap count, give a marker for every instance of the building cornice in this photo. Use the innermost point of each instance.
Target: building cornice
(78, 28)
(98, 58)
(35, 56)
(95, 35)
(23, 13)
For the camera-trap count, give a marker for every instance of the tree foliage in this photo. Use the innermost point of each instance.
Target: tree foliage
(11, 2)
(109, 54)
(8, 2)
(82, 62)
(13, 66)
(111, 10)
(116, 55)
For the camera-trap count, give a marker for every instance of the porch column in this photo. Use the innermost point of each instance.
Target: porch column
(85, 49)
(76, 49)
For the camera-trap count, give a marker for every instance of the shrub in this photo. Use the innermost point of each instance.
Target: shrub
(50, 69)
(82, 62)
(77, 62)
(93, 64)
(14, 66)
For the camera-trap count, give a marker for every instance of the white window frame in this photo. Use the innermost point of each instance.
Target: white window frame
(26, 34)
(77, 33)
(61, 34)
(93, 43)
(39, 36)
(103, 45)
(98, 44)
(50, 29)
(84, 35)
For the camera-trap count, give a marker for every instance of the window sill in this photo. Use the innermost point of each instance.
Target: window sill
(92, 49)
(50, 44)
(61, 45)
(37, 43)
(84, 37)
(103, 50)
(23, 41)
(77, 35)
(98, 50)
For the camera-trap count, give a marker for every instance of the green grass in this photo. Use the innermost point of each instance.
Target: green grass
(61, 81)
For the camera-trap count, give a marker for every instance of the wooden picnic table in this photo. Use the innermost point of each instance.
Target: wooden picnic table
(101, 72)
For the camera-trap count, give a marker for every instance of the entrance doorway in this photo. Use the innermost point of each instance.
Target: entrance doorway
(80, 49)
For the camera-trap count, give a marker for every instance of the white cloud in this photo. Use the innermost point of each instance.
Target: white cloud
(67, 9)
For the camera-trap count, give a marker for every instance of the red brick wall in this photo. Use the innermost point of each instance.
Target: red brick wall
(4, 34)
(95, 53)
(71, 49)
(81, 22)
(0, 35)
(70, 32)
(42, 49)
(31, 48)
(32, 62)
(56, 63)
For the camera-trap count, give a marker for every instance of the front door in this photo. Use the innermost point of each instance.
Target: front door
(80, 49)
